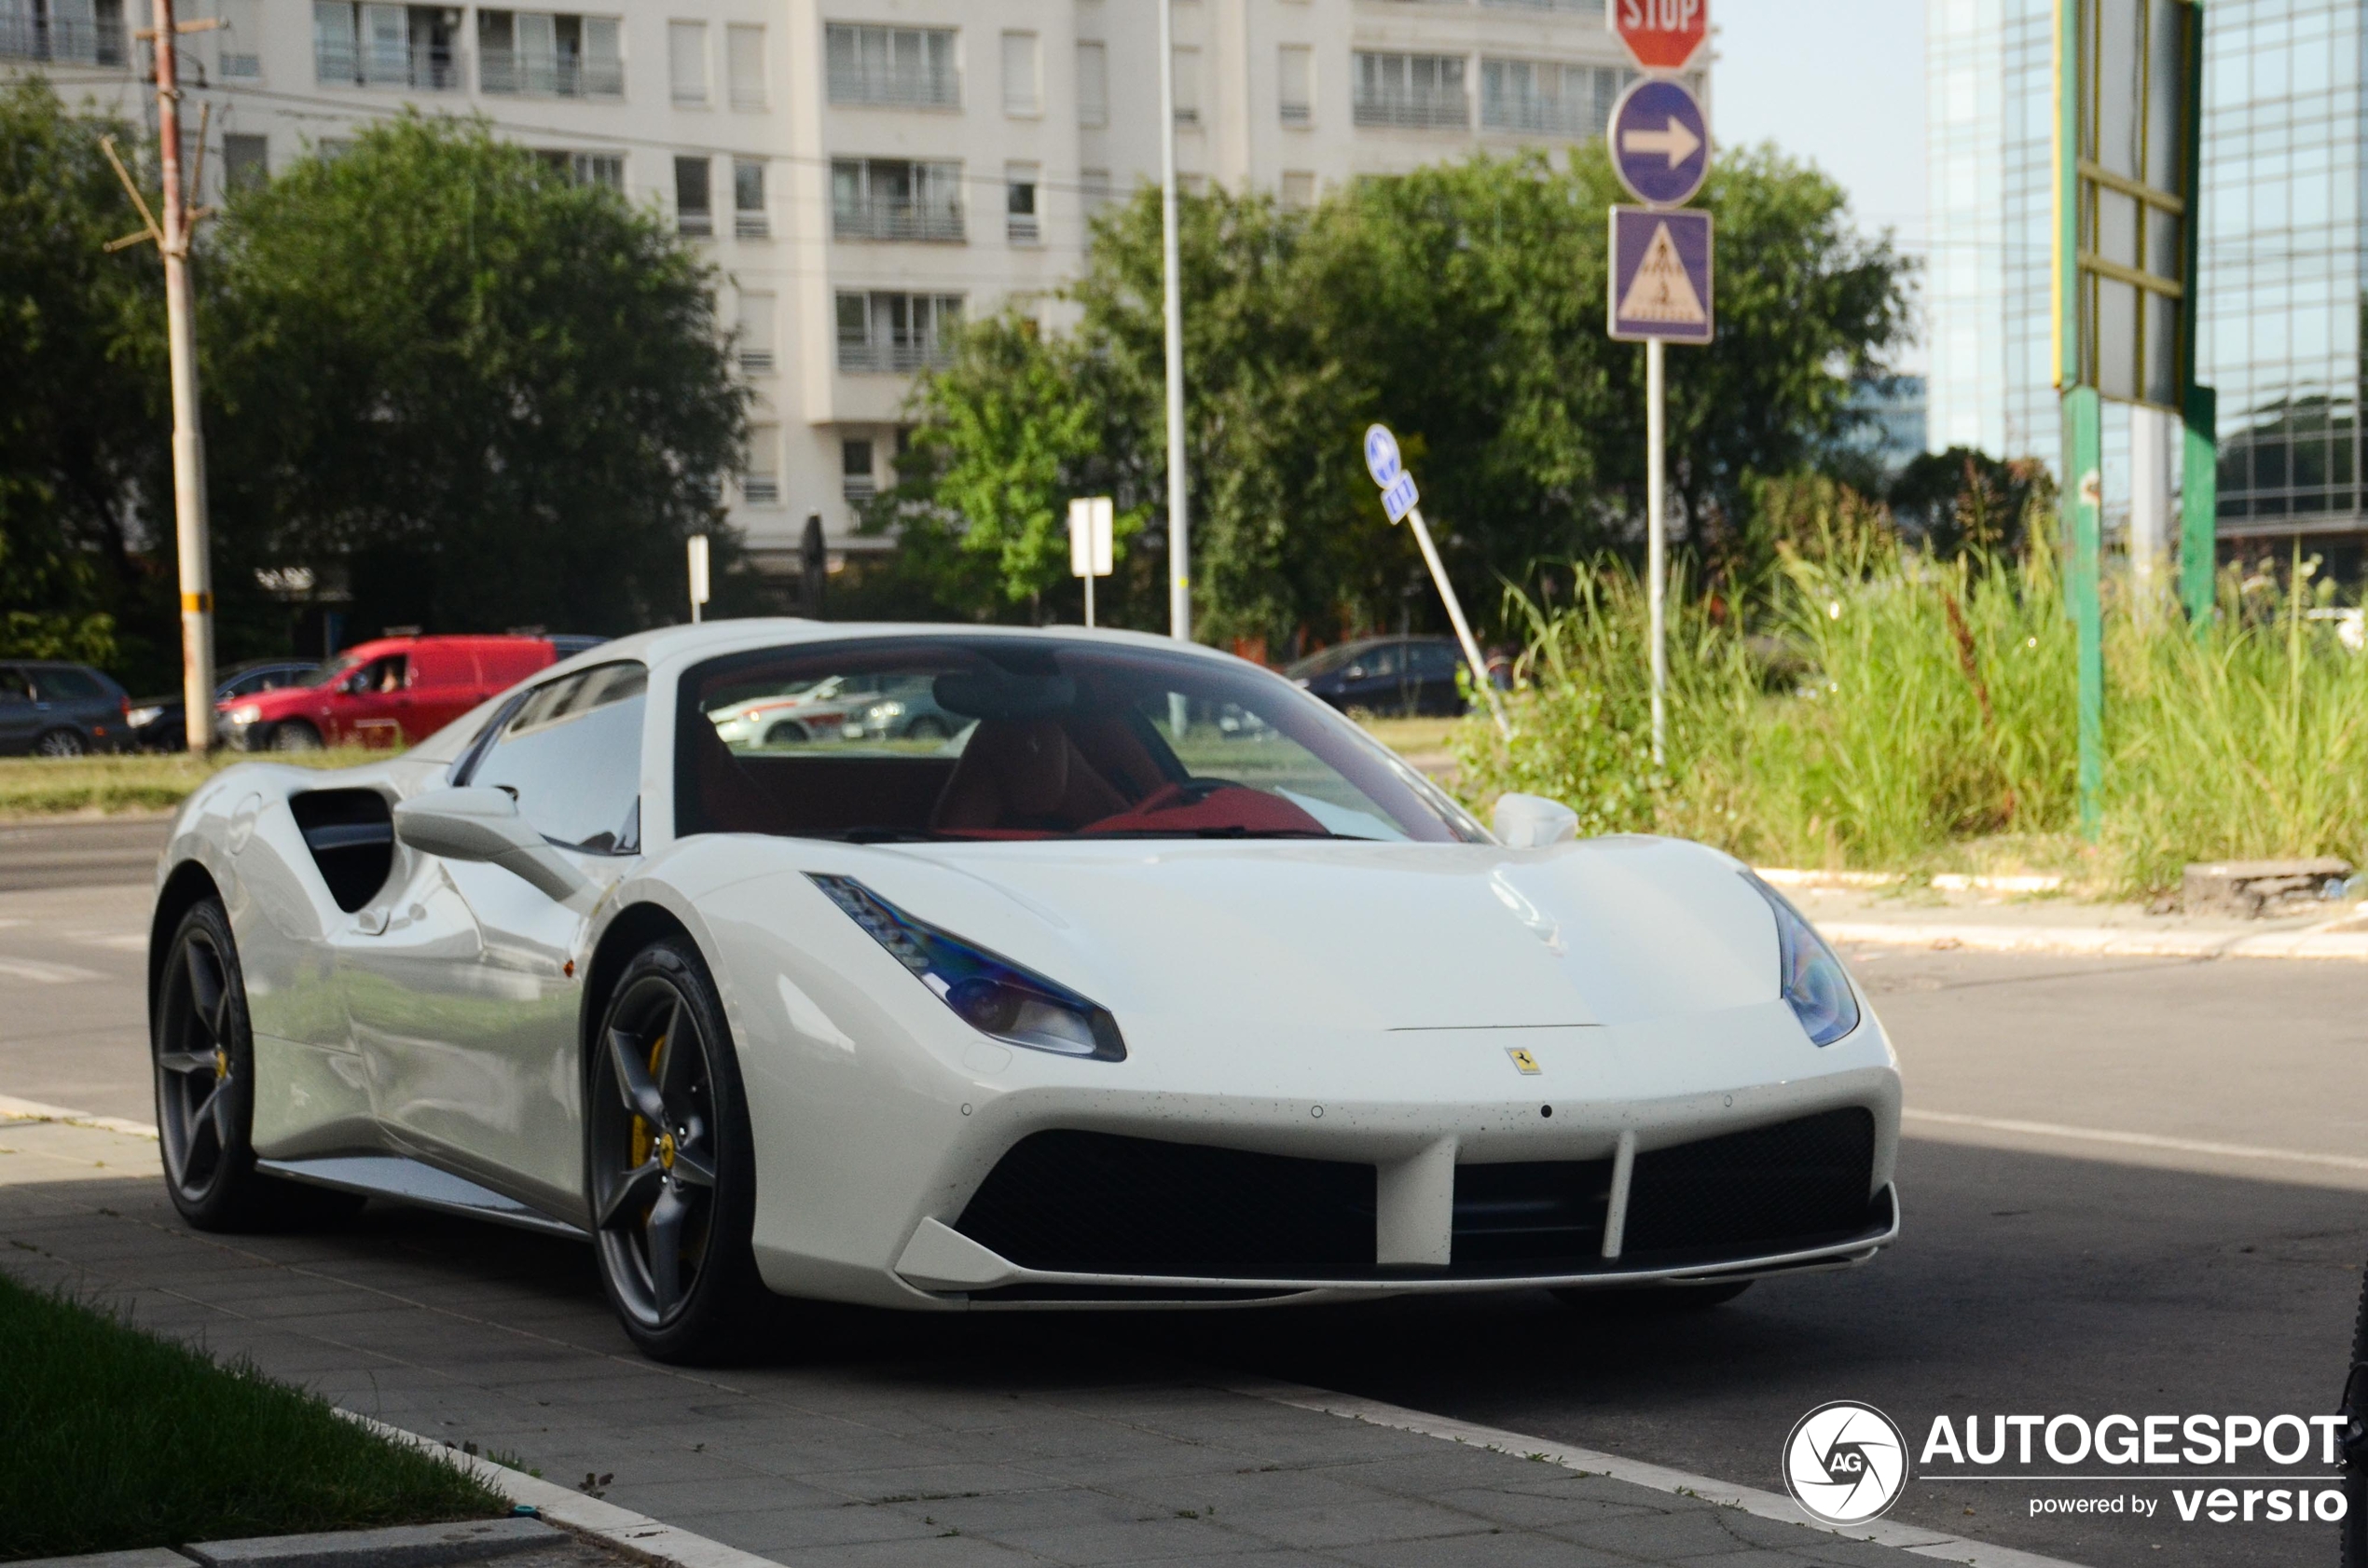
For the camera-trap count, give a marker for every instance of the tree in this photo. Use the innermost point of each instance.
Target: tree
(486, 396)
(1462, 304)
(1962, 500)
(82, 427)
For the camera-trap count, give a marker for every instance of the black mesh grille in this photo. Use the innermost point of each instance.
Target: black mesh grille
(1098, 1204)
(1770, 1189)
(1534, 1218)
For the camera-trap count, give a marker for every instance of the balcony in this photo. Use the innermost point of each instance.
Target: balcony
(1424, 111)
(63, 40)
(761, 489)
(420, 67)
(898, 356)
(512, 71)
(886, 218)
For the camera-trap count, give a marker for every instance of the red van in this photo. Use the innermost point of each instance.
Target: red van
(394, 691)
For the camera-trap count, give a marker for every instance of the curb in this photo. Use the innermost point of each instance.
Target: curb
(14, 1109)
(2101, 940)
(1913, 1539)
(407, 1546)
(637, 1535)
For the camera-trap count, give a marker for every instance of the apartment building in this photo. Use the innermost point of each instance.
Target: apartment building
(868, 173)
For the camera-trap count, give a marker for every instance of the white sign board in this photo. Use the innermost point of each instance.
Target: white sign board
(1090, 550)
(699, 573)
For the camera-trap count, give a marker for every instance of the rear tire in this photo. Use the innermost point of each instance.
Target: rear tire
(2355, 1441)
(1650, 1301)
(294, 734)
(60, 743)
(670, 1163)
(203, 1053)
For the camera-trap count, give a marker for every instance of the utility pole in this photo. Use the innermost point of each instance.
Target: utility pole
(172, 239)
(1179, 560)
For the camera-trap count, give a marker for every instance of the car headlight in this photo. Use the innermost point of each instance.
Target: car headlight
(245, 715)
(994, 996)
(139, 718)
(880, 711)
(1814, 984)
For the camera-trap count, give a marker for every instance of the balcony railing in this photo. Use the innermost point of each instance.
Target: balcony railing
(757, 362)
(859, 489)
(882, 219)
(893, 355)
(61, 40)
(506, 70)
(694, 220)
(895, 87)
(1427, 111)
(761, 489)
(1297, 114)
(1540, 116)
(421, 67)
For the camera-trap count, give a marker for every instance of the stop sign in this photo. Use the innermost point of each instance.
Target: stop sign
(1662, 35)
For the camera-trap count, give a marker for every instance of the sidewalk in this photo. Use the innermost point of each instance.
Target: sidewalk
(2003, 921)
(884, 1440)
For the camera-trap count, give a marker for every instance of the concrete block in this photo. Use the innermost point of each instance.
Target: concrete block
(409, 1546)
(148, 1557)
(2251, 888)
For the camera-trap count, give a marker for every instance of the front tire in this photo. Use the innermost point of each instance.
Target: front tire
(294, 734)
(60, 743)
(203, 1053)
(670, 1163)
(2355, 1441)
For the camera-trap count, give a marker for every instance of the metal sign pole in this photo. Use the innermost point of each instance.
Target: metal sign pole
(1455, 617)
(1180, 564)
(1657, 540)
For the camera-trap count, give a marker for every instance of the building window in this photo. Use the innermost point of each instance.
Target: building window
(895, 199)
(1548, 99)
(1093, 191)
(1579, 7)
(1023, 93)
(686, 61)
(896, 333)
(1020, 184)
(1093, 84)
(1295, 79)
(1188, 86)
(586, 169)
(857, 481)
(90, 33)
(550, 54)
(761, 482)
(416, 46)
(756, 334)
(694, 211)
(238, 44)
(1299, 190)
(905, 67)
(748, 219)
(1419, 92)
(246, 162)
(744, 62)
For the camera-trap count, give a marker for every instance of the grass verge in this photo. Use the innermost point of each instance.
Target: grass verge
(144, 782)
(117, 1439)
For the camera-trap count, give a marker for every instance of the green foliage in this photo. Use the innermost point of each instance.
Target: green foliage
(498, 398)
(1461, 304)
(1890, 710)
(80, 433)
(121, 1440)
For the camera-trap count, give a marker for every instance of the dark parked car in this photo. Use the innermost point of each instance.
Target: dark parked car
(55, 709)
(1392, 674)
(157, 723)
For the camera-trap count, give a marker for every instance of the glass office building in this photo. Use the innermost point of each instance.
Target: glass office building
(2282, 260)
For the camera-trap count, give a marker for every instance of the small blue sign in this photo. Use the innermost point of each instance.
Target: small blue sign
(1660, 276)
(1660, 141)
(1381, 456)
(1399, 497)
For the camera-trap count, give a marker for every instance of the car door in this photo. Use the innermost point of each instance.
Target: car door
(1434, 666)
(1376, 680)
(368, 707)
(19, 722)
(462, 1001)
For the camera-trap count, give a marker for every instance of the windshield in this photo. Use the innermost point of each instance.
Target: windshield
(990, 738)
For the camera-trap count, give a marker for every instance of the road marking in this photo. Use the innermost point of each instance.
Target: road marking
(1765, 1505)
(2136, 1140)
(118, 942)
(41, 974)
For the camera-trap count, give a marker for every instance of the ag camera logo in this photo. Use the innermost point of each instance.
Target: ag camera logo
(1845, 1463)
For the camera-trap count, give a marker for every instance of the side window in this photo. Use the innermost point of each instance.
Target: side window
(1380, 662)
(13, 687)
(67, 685)
(1434, 659)
(571, 752)
(383, 674)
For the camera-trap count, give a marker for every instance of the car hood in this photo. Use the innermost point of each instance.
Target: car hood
(1342, 936)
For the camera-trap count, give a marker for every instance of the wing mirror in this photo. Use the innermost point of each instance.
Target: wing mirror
(1528, 821)
(479, 824)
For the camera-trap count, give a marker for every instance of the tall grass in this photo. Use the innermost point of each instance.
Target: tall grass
(1889, 710)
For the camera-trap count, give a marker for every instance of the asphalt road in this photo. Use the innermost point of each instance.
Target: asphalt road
(2210, 1267)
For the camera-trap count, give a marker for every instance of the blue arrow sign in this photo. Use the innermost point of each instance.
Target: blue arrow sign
(1660, 141)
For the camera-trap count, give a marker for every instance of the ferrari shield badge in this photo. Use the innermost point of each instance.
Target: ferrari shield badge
(1523, 1060)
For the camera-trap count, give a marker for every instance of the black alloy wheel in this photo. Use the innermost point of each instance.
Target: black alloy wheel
(60, 743)
(672, 1179)
(294, 734)
(2355, 1441)
(204, 1056)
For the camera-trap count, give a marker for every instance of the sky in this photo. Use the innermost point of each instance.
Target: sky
(1842, 84)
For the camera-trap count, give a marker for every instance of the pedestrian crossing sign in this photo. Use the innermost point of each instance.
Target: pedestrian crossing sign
(1660, 275)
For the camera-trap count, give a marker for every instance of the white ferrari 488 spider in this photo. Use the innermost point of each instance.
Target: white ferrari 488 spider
(1144, 979)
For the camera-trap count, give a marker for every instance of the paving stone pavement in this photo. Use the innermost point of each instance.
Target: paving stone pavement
(874, 1439)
